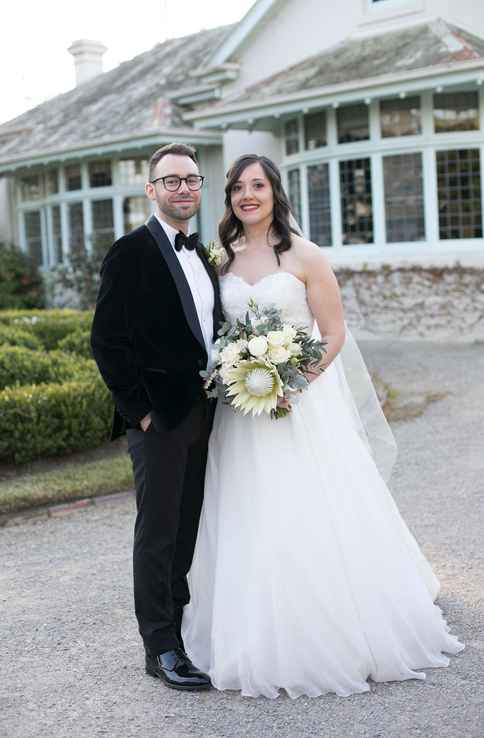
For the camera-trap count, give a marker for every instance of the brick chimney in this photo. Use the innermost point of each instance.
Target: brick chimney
(88, 59)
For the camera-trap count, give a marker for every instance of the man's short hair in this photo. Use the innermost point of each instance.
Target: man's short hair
(173, 148)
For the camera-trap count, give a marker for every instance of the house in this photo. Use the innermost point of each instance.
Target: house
(373, 109)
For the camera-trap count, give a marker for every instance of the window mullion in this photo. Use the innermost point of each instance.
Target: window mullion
(335, 201)
(430, 197)
(378, 200)
(305, 202)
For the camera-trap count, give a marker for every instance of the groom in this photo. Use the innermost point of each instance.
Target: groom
(157, 313)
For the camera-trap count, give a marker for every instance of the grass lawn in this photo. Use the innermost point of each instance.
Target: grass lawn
(53, 481)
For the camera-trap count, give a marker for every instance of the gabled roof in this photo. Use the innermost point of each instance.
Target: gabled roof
(259, 11)
(417, 49)
(129, 102)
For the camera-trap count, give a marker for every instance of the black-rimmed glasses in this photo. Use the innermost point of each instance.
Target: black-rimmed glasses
(172, 182)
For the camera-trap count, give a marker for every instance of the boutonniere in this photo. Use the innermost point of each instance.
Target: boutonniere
(216, 254)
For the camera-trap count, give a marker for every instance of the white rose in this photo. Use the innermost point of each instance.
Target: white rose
(294, 349)
(276, 338)
(215, 356)
(258, 346)
(289, 333)
(278, 354)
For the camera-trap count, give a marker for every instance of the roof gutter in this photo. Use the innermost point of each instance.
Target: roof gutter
(103, 147)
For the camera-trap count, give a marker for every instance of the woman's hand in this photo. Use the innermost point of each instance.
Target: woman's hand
(284, 403)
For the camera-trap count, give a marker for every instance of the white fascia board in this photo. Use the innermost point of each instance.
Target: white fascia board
(113, 146)
(243, 29)
(213, 94)
(388, 85)
(184, 91)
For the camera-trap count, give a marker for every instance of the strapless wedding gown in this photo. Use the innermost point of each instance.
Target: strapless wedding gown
(305, 577)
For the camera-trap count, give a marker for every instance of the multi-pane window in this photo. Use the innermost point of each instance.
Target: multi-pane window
(294, 181)
(76, 228)
(73, 177)
(100, 173)
(102, 225)
(456, 111)
(356, 201)
(135, 211)
(133, 171)
(315, 130)
(291, 136)
(33, 236)
(400, 117)
(459, 192)
(319, 204)
(404, 203)
(52, 181)
(31, 187)
(353, 123)
(57, 234)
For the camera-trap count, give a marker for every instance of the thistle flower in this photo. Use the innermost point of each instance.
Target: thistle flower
(254, 386)
(230, 354)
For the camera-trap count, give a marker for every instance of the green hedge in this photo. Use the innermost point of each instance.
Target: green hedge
(50, 420)
(77, 343)
(11, 336)
(49, 326)
(19, 366)
(52, 399)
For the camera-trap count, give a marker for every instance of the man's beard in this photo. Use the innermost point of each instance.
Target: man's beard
(178, 213)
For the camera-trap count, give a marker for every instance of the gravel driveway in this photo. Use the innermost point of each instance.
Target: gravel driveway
(71, 660)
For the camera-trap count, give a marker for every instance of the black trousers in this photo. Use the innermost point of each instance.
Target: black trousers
(169, 473)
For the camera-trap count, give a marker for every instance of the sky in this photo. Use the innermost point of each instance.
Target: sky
(35, 64)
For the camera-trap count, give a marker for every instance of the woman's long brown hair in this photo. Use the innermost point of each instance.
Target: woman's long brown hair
(231, 228)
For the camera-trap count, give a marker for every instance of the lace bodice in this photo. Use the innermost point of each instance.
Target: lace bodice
(281, 289)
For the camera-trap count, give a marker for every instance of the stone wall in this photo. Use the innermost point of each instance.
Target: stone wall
(441, 303)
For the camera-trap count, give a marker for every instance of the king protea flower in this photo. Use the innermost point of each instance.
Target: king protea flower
(255, 387)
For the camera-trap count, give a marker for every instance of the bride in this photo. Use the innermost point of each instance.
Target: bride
(305, 577)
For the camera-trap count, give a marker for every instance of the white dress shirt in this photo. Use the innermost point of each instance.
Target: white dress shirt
(200, 285)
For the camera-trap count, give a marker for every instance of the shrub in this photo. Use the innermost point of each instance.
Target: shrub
(81, 277)
(77, 343)
(50, 420)
(11, 336)
(50, 326)
(19, 366)
(20, 282)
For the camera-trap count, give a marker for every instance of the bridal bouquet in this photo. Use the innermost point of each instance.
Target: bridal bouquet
(261, 360)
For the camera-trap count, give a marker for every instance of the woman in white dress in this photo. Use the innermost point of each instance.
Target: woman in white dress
(305, 577)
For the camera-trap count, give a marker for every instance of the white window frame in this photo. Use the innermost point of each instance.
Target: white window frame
(427, 143)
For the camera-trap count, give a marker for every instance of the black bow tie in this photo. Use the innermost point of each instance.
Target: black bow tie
(189, 242)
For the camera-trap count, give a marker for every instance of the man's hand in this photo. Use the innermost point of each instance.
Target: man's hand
(146, 422)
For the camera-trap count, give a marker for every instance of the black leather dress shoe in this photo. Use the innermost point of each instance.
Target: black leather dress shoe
(175, 669)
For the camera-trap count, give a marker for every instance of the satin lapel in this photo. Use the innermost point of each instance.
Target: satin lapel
(179, 278)
(217, 309)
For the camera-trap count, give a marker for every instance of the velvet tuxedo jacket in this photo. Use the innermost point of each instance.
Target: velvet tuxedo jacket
(146, 337)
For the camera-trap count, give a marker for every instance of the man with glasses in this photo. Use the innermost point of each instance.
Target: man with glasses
(157, 313)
